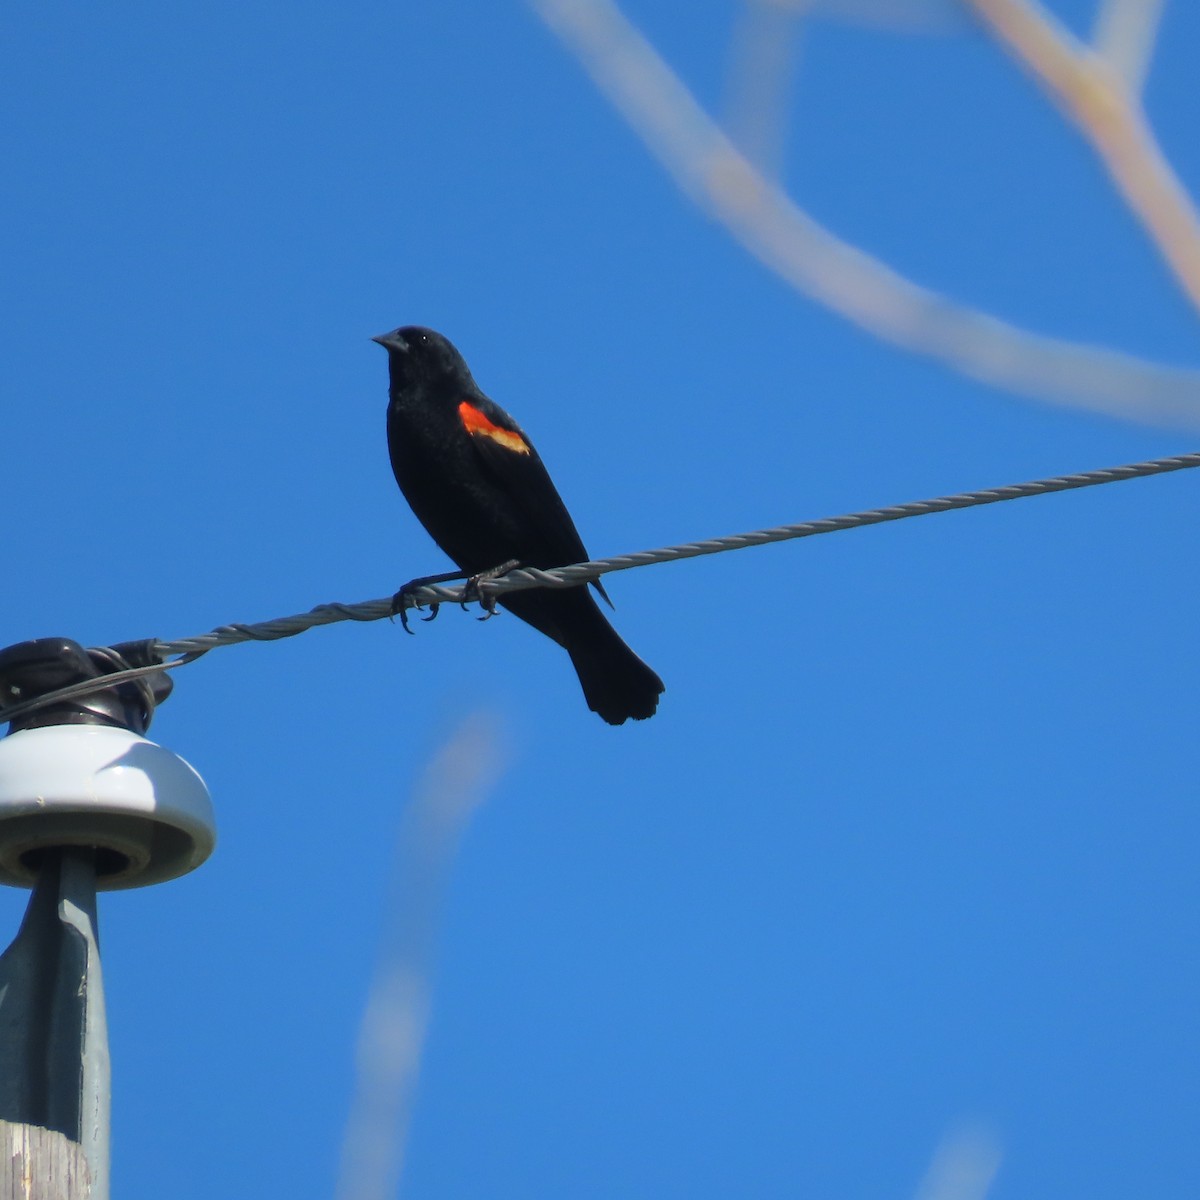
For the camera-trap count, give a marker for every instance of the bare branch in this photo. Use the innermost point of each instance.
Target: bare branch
(1124, 38)
(392, 1036)
(911, 16)
(760, 72)
(1093, 95)
(767, 222)
(963, 1167)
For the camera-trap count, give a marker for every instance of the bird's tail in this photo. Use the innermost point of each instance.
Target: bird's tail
(616, 683)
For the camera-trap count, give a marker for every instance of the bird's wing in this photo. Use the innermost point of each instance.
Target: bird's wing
(511, 462)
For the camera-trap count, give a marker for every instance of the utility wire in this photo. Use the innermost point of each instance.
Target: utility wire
(579, 573)
(573, 576)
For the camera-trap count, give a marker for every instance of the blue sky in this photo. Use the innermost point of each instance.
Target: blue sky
(908, 848)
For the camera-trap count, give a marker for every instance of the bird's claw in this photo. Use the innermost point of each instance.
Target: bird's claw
(400, 606)
(488, 604)
(400, 609)
(486, 600)
(471, 592)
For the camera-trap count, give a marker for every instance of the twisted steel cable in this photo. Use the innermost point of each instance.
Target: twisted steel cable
(573, 576)
(192, 648)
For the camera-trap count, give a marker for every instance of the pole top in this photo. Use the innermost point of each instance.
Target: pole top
(79, 772)
(32, 669)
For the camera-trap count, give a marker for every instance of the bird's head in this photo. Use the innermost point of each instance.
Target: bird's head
(417, 355)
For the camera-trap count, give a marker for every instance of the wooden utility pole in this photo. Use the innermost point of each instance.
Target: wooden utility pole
(41, 1164)
(86, 803)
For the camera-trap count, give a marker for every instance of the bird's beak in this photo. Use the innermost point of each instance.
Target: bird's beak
(391, 341)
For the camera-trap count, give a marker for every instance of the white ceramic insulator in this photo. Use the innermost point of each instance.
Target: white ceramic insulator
(145, 810)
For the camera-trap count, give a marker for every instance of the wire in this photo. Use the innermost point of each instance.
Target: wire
(85, 687)
(572, 576)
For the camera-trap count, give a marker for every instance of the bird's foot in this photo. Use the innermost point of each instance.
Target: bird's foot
(486, 600)
(400, 604)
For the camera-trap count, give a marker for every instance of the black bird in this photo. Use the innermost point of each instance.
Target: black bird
(479, 487)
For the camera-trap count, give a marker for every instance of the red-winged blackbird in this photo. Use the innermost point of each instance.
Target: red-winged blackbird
(479, 487)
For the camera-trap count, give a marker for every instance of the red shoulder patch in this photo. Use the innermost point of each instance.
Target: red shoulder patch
(478, 425)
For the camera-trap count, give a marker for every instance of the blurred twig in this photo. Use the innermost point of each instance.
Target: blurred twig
(392, 1035)
(916, 16)
(1091, 91)
(1124, 37)
(709, 168)
(963, 1167)
(761, 62)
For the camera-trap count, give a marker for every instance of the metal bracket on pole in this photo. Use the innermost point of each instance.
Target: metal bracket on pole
(86, 803)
